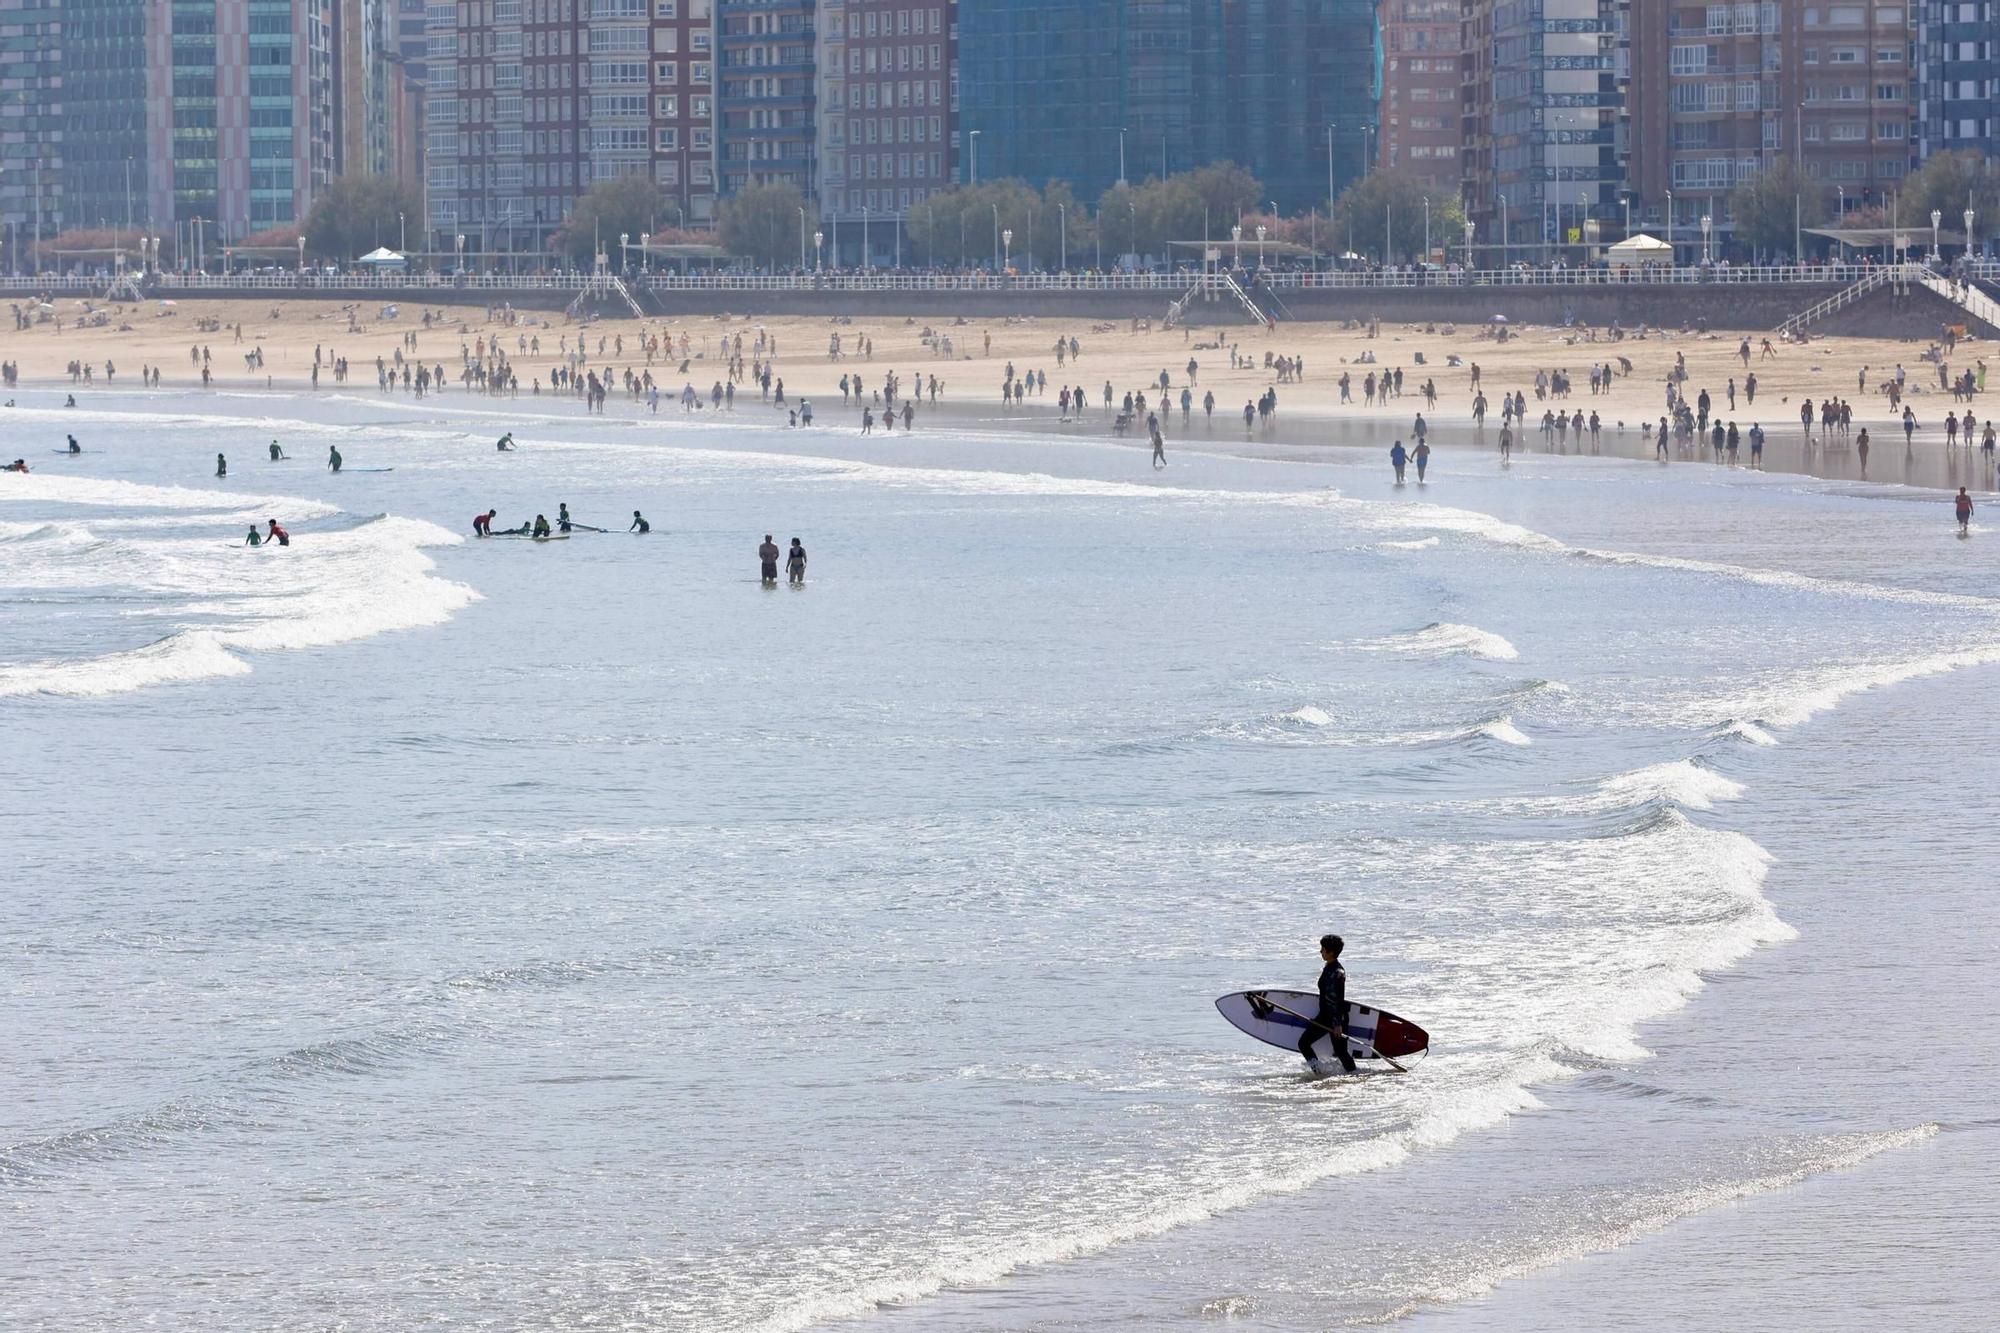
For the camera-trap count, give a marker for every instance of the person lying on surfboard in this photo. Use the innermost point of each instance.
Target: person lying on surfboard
(1332, 1004)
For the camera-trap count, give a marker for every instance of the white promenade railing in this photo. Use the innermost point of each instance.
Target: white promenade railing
(1173, 284)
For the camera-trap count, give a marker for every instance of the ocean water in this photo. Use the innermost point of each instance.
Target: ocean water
(416, 929)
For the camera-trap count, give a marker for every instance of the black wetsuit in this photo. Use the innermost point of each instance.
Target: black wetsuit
(1333, 1013)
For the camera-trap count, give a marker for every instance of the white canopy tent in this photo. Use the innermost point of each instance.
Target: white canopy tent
(383, 257)
(1636, 250)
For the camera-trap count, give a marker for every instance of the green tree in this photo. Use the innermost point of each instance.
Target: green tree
(763, 223)
(1950, 183)
(627, 206)
(1388, 206)
(1762, 207)
(356, 214)
(964, 227)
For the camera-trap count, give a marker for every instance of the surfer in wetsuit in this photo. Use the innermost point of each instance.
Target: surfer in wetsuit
(482, 524)
(221, 466)
(767, 559)
(639, 523)
(562, 517)
(1332, 1004)
(278, 534)
(277, 454)
(333, 458)
(541, 526)
(253, 539)
(74, 447)
(505, 444)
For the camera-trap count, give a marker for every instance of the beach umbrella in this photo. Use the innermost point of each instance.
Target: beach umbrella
(166, 305)
(1498, 319)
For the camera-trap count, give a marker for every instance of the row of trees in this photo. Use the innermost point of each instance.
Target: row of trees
(1769, 208)
(771, 225)
(1388, 213)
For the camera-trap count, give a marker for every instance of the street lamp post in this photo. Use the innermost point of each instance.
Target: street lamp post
(1427, 228)
(974, 136)
(459, 271)
(1707, 225)
(1468, 249)
(1503, 231)
(1937, 216)
(302, 254)
(802, 236)
(1236, 241)
(1007, 257)
(819, 259)
(996, 234)
(1331, 126)
(1968, 233)
(1260, 245)
(1062, 211)
(1671, 260)
(865, 264)
(402, 234)
(1583, 230)
(1121, 154)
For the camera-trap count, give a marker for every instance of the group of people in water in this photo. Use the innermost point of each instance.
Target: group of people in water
(482, 524)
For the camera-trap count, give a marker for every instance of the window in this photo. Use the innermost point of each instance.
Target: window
(667, 138)
(667, 108)
(666, 72)
(699, 72)
(667, 9)
(1890, 129)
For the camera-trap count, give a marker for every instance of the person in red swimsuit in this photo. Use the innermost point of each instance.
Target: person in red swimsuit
(278, 535)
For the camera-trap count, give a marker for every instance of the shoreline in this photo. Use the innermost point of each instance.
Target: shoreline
(1127, 355)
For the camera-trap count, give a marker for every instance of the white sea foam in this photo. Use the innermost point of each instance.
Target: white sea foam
(1503, 730)
(1444, 639)
(184, 564)
(1311, 715)
(1682, 782)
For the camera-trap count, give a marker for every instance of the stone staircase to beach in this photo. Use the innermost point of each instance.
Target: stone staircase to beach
(1967, 297)
(1840, 300)
(1902, 278)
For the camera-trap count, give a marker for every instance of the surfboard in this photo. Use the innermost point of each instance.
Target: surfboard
(69, 453)
(1371, 1032)
(368, 469)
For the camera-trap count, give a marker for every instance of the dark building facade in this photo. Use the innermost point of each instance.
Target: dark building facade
(1959, 75)
(1072, 89)
(104, 131)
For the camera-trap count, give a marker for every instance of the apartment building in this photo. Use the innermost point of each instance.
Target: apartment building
(1419, 114)
(530, 102)
(1091, 90)
(239, 117)
(1544, 121)
(768, 126)
(1958, 75)
(1720, 92)
(886, 109)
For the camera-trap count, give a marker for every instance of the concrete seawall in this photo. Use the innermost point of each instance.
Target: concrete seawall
(1920, 314)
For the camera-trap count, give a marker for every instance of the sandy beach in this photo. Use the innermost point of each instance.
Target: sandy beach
(1129, 359)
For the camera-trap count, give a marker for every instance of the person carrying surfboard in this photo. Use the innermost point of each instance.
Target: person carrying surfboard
(1332, 1004)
